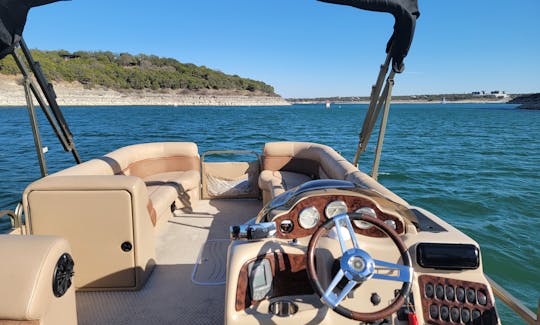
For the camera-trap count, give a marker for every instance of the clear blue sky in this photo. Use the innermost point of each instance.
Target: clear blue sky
(306, 48)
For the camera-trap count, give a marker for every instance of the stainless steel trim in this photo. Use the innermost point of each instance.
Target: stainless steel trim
(517, 306)
(14, 216)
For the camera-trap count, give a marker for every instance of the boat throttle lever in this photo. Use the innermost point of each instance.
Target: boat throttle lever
(253, 231)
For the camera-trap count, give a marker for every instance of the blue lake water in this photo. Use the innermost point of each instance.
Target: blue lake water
(476, 166)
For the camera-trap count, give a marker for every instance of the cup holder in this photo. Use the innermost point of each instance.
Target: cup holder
(283, 308)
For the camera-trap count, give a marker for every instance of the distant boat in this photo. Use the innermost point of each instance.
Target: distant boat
(443, 101)
(327, 104)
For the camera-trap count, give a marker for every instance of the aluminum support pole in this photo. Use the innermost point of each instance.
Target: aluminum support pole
(35, 127)
(371, 114)
(382, 130)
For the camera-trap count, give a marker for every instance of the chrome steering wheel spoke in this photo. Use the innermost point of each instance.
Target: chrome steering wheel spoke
(333, 299)
(357, 266)
(405, 272)
(344, 220)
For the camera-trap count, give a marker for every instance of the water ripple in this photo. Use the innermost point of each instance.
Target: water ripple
(477, 166)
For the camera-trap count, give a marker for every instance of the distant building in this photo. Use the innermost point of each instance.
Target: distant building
(496, 93)
(499, 94)
(479, 93)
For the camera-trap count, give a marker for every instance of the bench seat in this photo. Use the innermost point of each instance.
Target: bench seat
(289, 164)
(107, 209)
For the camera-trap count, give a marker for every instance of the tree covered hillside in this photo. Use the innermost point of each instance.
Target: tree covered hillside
(126, 71)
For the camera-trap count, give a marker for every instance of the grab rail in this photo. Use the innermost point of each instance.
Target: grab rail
(15, 216)
(519, 308)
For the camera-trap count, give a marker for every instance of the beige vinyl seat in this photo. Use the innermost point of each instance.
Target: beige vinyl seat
(107, 209)
(170, 171)
(26, 278)
(289, 164)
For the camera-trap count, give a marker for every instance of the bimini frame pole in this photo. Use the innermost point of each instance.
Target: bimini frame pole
(35, 127)
(387, 95)
(377, 101)
(373, 111)
(55, 118)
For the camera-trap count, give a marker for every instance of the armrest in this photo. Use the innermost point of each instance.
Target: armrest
(271, 182)
(88, 182)
(28, 265)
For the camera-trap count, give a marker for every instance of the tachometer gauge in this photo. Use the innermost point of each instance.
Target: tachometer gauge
(335, 208)
(365, 211)
(309, 217)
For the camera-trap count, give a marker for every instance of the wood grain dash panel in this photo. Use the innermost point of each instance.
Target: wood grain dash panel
(487, 311)
(289, 278)
(320, 202)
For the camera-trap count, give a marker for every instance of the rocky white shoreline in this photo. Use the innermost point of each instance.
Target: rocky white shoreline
(74, 94)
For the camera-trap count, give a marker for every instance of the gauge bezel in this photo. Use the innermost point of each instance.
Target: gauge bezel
(362, 224)
(341, 203)
(302, 222)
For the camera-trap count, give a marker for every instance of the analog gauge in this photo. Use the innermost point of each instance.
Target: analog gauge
(335, 208)
(309, 217)
(368, 212)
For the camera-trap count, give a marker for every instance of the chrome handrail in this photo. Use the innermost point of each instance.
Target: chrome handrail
(15, 217)
(517, 306)
(12, 216)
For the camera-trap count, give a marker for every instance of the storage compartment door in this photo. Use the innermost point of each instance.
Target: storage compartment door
(96, 224)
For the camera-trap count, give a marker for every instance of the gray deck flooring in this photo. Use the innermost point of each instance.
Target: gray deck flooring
(170, 296)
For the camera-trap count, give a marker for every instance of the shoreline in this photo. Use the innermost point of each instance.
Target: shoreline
(401, 101)
(75, 94)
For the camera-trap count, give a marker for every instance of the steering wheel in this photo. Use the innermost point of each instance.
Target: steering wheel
(357, 266)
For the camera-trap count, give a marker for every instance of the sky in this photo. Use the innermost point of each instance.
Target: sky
(306, 48)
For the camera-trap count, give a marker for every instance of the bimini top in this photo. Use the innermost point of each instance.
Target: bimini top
(12, 19)
(405, 12)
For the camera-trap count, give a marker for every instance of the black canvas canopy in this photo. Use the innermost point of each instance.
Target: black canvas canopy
(404, 11)
(12, 19)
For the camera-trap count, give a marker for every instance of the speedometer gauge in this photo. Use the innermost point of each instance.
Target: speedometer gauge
(368, 212)
(335, 208)
(309, 217)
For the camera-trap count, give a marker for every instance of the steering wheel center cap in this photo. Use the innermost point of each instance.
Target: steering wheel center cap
(358, 265)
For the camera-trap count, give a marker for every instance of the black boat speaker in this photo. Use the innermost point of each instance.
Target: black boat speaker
(62, 275)
(448, 256)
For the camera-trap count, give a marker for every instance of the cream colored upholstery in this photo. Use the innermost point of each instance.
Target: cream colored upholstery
(172, 166)
(26, 292)
(288, 164)
(277, 182)
(105, 204)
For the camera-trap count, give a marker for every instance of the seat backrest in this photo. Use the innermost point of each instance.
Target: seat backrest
(319, 162)
(312, 159)
(141, 160)
(147, 159)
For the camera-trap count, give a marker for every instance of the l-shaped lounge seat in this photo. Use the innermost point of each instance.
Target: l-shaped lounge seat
(289, 164)
(107, 209)
(169, 170)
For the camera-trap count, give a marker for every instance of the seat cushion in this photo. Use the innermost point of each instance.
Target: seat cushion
(182, 181)
(165, 188)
